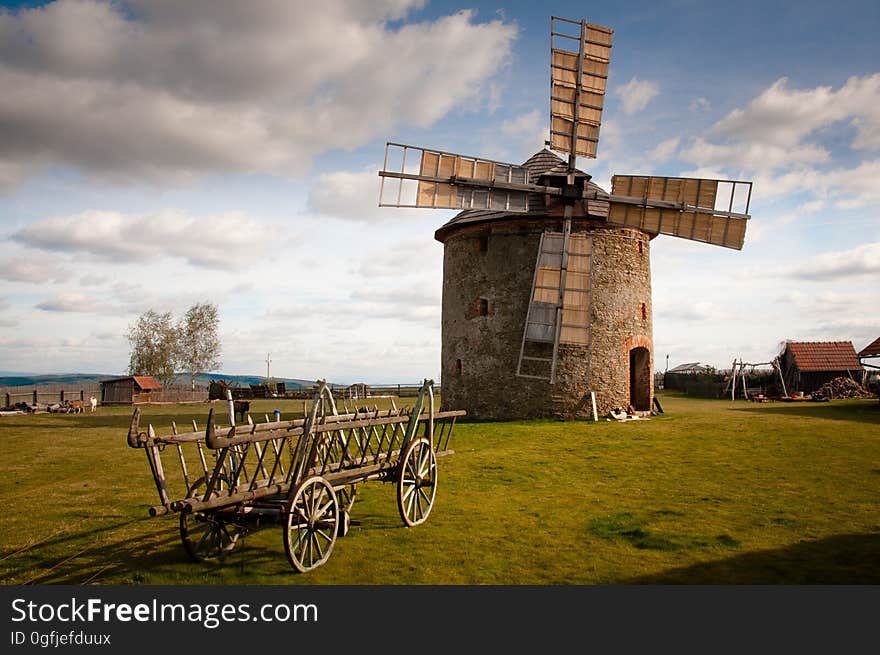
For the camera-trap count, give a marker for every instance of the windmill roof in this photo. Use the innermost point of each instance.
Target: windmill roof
(872, 349)
(541, 163)
(546, 162)
(824, 355)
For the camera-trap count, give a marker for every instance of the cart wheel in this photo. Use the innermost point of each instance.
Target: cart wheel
(417, 484)
(208, 535)
(346, 498)
(312, 524)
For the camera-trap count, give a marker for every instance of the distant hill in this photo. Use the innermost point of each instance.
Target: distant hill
(12, 379)
(242, 380)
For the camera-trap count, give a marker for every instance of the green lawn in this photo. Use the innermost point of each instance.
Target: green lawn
(712, 491)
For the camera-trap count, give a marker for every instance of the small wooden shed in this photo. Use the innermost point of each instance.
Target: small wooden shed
(129, 390)
(807, 365)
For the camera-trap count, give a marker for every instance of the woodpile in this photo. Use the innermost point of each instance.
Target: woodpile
(843, 387)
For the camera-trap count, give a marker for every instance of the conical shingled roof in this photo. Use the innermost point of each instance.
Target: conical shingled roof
(546, 162)
(543, 162)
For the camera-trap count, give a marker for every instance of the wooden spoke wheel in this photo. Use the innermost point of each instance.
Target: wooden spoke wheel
(346, 497)
(312, 524)
(417, 483)
(208, 535)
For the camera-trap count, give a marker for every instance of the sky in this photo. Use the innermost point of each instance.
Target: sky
(156, 153)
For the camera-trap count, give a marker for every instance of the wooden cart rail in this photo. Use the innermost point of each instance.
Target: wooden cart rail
(291, 468)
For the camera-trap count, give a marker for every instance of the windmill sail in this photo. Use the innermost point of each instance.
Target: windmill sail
(559, 303)
(577, 84)
(710, 211)
(421, 177)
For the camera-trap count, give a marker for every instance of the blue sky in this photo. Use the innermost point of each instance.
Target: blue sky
(154, 154)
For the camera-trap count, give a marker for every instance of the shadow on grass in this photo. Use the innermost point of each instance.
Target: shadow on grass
(161, 422)
(128, 556)
(866, 411)
(63, 559)
(123, 558)
(850, 559)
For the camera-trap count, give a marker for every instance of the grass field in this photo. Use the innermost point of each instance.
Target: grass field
(712, 491)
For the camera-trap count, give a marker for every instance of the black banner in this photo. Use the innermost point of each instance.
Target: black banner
(140, 618)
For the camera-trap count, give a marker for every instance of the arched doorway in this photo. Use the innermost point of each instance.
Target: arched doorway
(640, 379)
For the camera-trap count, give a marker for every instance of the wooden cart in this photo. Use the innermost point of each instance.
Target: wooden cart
(302, 473)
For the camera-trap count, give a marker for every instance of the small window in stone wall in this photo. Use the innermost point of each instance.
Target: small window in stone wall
(458, 367)
(483, 307)
(644, 312)
(640, 247)
(483, 243)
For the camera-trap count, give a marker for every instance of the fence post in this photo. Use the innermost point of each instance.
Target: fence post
(82, 395)
(8, 401)
(61, 395)
(398, 391)
(35, 395)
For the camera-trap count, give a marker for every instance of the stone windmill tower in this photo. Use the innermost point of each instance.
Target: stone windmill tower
(546, 276)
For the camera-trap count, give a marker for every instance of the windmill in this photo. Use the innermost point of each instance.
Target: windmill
(569, 271)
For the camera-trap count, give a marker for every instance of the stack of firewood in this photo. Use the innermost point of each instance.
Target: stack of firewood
(845, 388)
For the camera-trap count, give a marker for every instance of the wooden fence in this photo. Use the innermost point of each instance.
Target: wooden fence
(399, 390)
(56, 393)
(173, 394)
(47, 394)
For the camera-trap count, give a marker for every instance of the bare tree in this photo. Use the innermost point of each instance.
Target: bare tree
(198, 345)
(153, 340)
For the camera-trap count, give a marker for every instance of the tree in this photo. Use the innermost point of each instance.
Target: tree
(198, 346)
(153, 339)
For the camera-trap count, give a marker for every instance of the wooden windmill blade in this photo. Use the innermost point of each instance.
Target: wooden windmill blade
(577, 84)
(705, 210)
(559, 304)
(422, 177)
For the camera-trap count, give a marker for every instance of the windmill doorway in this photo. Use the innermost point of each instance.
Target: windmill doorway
(640, 379)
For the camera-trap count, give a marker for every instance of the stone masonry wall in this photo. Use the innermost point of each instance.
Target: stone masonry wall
(485, 298)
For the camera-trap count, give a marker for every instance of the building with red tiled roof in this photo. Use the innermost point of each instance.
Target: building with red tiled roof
(129, 390)
(871, 350)
(808, 365)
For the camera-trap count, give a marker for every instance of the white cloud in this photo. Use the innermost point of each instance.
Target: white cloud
(784, 117)
(861, 261)
(636, 94)
(12, 175)
(843, 188)
(5, 319)
(149, 94)
(359, 312)
(773, 133)
(24, 269)
(403, 258)
(700, 104)
(855, 187)
(354, 195)
(664, 150)
(229, 240)
(527, 132)
(77, 302)
(752, 155)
